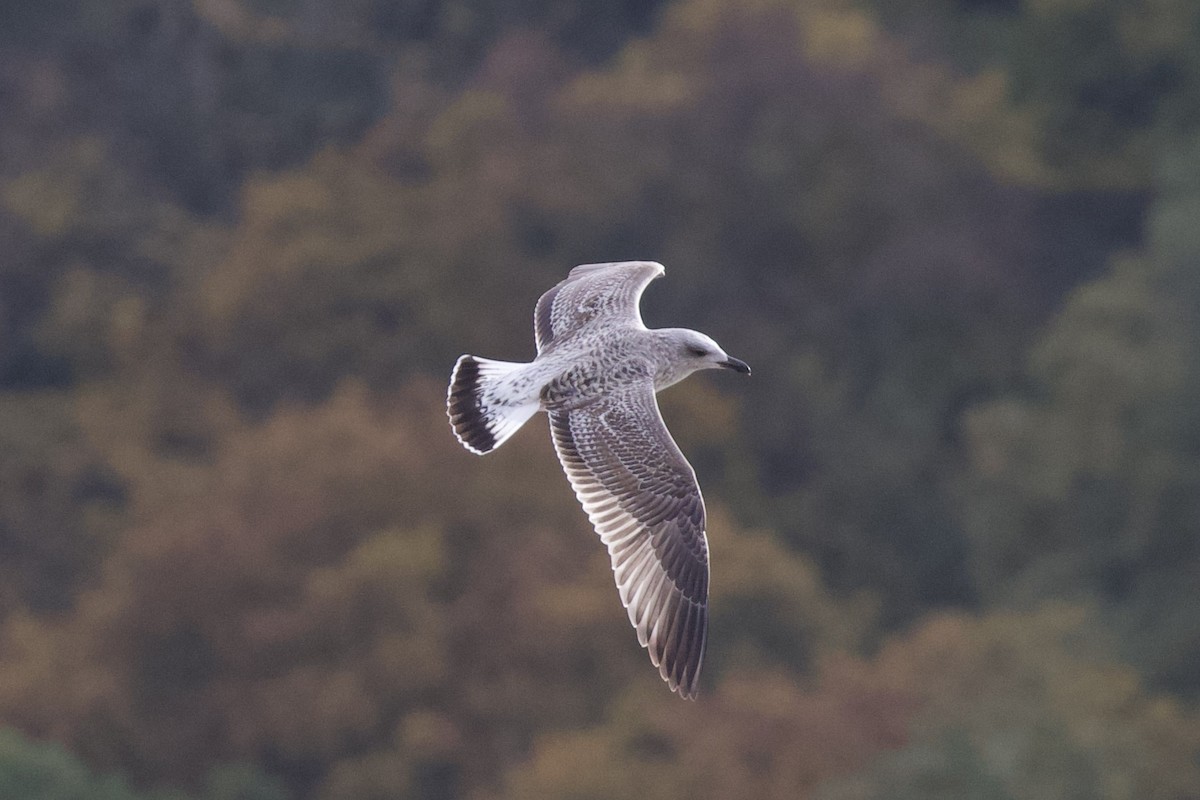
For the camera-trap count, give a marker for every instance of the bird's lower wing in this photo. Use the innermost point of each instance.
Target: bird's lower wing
(642, 497)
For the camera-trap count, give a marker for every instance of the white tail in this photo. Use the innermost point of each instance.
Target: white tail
(482, 417)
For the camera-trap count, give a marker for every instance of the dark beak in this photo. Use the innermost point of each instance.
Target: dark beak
(737, 365)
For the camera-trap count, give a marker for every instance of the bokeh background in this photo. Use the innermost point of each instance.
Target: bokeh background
(954, 515)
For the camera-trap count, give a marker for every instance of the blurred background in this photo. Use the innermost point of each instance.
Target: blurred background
(954, 516)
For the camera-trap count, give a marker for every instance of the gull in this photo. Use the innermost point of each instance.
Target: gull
(596, 373)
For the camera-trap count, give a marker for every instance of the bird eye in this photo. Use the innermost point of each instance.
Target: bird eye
(699, 352)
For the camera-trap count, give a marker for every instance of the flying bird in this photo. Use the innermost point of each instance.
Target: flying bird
(596, 373)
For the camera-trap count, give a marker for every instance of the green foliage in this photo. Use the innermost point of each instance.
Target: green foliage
(1088, 485)
(1101, 84)
(241, 782)
(101, 259)
(33, 771)
(47, 772)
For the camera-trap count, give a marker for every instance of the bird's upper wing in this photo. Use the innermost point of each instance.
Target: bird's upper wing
(642, 497)
(593, 293)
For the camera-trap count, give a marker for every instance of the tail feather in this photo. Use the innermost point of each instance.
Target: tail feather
(481, 416)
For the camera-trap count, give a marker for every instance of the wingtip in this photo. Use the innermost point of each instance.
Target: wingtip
(581, 269)
(659, 269)
(678, 648)
(687, 690)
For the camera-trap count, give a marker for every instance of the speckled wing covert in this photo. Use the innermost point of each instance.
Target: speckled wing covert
(642, 497)
(593, 295)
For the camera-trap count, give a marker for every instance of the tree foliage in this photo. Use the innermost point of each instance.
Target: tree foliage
(1026, 705)
(48, 772)
(1088, 484)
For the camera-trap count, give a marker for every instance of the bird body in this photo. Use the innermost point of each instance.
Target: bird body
(596, 373)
